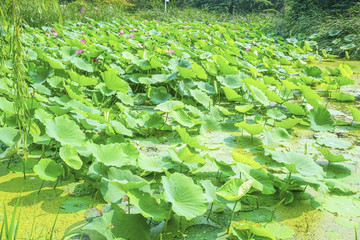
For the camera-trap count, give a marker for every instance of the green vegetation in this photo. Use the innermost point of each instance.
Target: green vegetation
(181, 129)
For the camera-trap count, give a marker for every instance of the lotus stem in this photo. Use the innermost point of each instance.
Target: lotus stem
(231, 217)
(129, 205)
(211, 207)
(42, 184)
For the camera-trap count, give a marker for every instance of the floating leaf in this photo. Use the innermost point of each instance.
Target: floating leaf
(355, 113)
(334, 143)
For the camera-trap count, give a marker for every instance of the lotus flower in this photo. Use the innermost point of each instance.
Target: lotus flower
(170, 51)
(79, 51)
(83, 41)
(121, 32)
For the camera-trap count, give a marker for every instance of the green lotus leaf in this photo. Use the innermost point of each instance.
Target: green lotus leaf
(67, 53)
(313, 71)
(234, 189)
(75, 204)
(334, 143)
(342, 205)
(279, 231)
(65, 131)
(333, 32)
(82, 64)
(154, 163)
(298, 162)
(232, 95)
(261, 180)
(210, 190)
(343, 81)
(188, 140)
(253, 129)
(202, 98)
(113, 82)
(345, 70)
(6, 105)
(259, 96)
(310, 93)
(129, 226)
(295, 109)
(355, 113)
(288, 123)
(185, 155)
(47, 169)
(158, 95)
(336, 184)
(350, 37)
(148, 206)
(182, 118)
(243, 108)
(242, 230)
(70, 156)
(321, 120)
(82, 80)
(348, 46)
(231, 81)
(241, 158)
(341, 97)
(9, 136)
(199, 71)
(275, 113)
(115, 154)
(125, 180)
(187, 198)
(186, 72)
(170, 106)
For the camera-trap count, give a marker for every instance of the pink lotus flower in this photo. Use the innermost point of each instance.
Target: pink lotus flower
(121, 32)
(246, 30)
(186, 22)
(186, 26)
(55, 34)
(131, 35)
(90, 26)
(135, 30)
(210, 34)
(130, 30)
(96, 60)
(180, 30)
(53, 29)
(254, 42)
(83, 41)
(203, 31)
(170, 51)
(82, 32)
(248, 49)
(147, 36)
(77, 24)
(48, 34)
(234, 30)
(79, 51)
(235, 27)
(156, 20)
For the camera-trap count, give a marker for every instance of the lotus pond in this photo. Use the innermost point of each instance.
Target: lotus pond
(182, 130)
